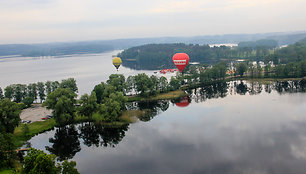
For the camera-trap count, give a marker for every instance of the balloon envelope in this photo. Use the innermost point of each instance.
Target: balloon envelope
(117, 62)
(180, 60)
(184, 101)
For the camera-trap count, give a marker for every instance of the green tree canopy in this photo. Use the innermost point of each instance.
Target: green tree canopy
(28, 101)
(9, 115)
(88, 104)
(69, 83)
(38, 162)
(41, 91)
(118, 81)
(241, 68)
(69, 167)
(1, 94)
(62, 102)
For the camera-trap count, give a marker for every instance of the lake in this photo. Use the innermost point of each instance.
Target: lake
(234, 127)
(88, 70)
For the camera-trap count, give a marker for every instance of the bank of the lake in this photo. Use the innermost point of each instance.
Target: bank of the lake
(23, 134)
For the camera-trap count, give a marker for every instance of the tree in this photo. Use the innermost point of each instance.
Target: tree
(163, 84)
(118, 81)
(9, 115)
(48, 87)
(1, 94)
(62, 102)
(54, 85)
(6, 149)
(8, 92)
(32, 91)
(241, 68)
(99, 90)
(38, 162)
(120, 98)
(143, 84)
(174, 83)
(155, 85)
(112, 108)
(28, 101)
(88, 104)
(69, 83)
(69, 167)
(41, 91)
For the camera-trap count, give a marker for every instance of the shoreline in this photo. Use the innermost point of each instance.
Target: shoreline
(127, 117)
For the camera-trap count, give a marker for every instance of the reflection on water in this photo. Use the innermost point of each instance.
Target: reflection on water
(235, 127)
(65, 143)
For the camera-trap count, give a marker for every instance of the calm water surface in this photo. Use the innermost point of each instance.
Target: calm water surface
(88, 70)
(227, 128)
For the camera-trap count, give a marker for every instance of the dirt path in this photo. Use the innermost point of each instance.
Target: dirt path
(35, 113)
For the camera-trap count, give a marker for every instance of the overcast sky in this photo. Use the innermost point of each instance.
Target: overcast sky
(33, 21)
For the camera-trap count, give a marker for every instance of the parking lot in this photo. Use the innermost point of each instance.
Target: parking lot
(35, 113)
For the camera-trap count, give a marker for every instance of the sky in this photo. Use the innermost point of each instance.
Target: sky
(41, 21)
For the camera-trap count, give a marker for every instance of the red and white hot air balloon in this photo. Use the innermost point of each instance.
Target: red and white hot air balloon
(180, 60)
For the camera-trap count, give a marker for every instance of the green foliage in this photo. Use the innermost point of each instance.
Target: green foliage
(88, 104)
(38, 162)
(112, 108)
(9, 115)
(118, 81)
(54, 85)
(163, 84)
(6, 150)
(158, 56)
(241, 68)
(143, 84)
(48, 87)
(25, 129)
(268, 43)
(32, 90)
(1, 94)
(174, 83)
(62, 101)
(293, 69)
(292, 53)
(28, 101)
(218, 71)
(69, 83)
(69, 167)
(8, 92)
(41, 91)
(99, 90)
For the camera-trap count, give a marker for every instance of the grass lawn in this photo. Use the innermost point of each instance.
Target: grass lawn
(7, 171)
(33, 129)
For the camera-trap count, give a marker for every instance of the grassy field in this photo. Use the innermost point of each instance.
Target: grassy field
(7, 171)
(22, 135)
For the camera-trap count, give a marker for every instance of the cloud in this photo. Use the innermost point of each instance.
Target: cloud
(138, 18)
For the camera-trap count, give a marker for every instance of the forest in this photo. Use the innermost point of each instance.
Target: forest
(159, 56)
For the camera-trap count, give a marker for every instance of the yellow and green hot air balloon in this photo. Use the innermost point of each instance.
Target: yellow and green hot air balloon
(117, 62)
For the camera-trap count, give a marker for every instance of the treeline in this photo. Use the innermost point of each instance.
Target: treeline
(55, 49)
(34, 91)
(292, 69)
(157, 56)
(292, 53)
(268, 43)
